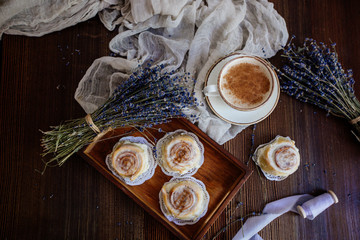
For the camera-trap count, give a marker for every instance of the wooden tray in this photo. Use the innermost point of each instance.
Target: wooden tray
(221, 173)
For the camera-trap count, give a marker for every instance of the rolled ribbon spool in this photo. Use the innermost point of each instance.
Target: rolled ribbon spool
(317, 205)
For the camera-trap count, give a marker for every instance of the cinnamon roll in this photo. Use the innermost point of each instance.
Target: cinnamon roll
(180, 153)
(278, 158)
(131, 160)
(184, 200)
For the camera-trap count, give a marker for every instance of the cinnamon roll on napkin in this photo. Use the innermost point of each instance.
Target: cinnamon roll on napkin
(131, 160)
(278, 158)
(180, 153)
(184, 200)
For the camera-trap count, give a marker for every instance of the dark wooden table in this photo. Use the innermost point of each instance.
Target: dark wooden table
(38, 80)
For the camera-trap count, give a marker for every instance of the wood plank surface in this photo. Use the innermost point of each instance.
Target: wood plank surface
(38, 81)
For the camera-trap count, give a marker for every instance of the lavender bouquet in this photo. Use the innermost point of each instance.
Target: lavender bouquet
(313, 74)
(149, 97)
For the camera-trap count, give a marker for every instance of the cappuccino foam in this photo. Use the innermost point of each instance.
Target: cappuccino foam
(245, 85)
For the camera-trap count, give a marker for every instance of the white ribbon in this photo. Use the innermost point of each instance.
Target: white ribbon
(313, 206)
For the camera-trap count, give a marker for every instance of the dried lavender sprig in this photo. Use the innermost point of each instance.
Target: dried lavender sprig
(240, 219)
(314, 74)
(149, 97)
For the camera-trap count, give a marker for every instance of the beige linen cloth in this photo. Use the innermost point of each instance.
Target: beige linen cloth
(185, 35)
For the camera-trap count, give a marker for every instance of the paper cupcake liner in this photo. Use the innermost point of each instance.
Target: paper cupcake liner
(159, 153)
(182, 222)
(144, 176)
(255, 159)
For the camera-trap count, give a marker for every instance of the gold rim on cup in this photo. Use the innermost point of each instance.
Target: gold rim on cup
(227, 120)
(271, 79)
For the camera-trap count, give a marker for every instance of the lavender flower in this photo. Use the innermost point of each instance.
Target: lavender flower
(147, 98)
(313, 74)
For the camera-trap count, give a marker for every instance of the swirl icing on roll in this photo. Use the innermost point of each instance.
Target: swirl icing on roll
(184, 199)
(285, 157)
(130, 160)
(280, 157)
(181, 153)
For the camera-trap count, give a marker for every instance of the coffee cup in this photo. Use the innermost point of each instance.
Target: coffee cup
(245, 83)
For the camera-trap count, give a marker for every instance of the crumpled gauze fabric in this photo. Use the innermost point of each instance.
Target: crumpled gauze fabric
(186, 35)
(182, 34)
(39, 17)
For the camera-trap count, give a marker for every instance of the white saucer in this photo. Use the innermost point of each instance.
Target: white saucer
(231, 115)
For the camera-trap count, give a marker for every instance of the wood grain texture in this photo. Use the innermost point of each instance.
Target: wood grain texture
(38, 80)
